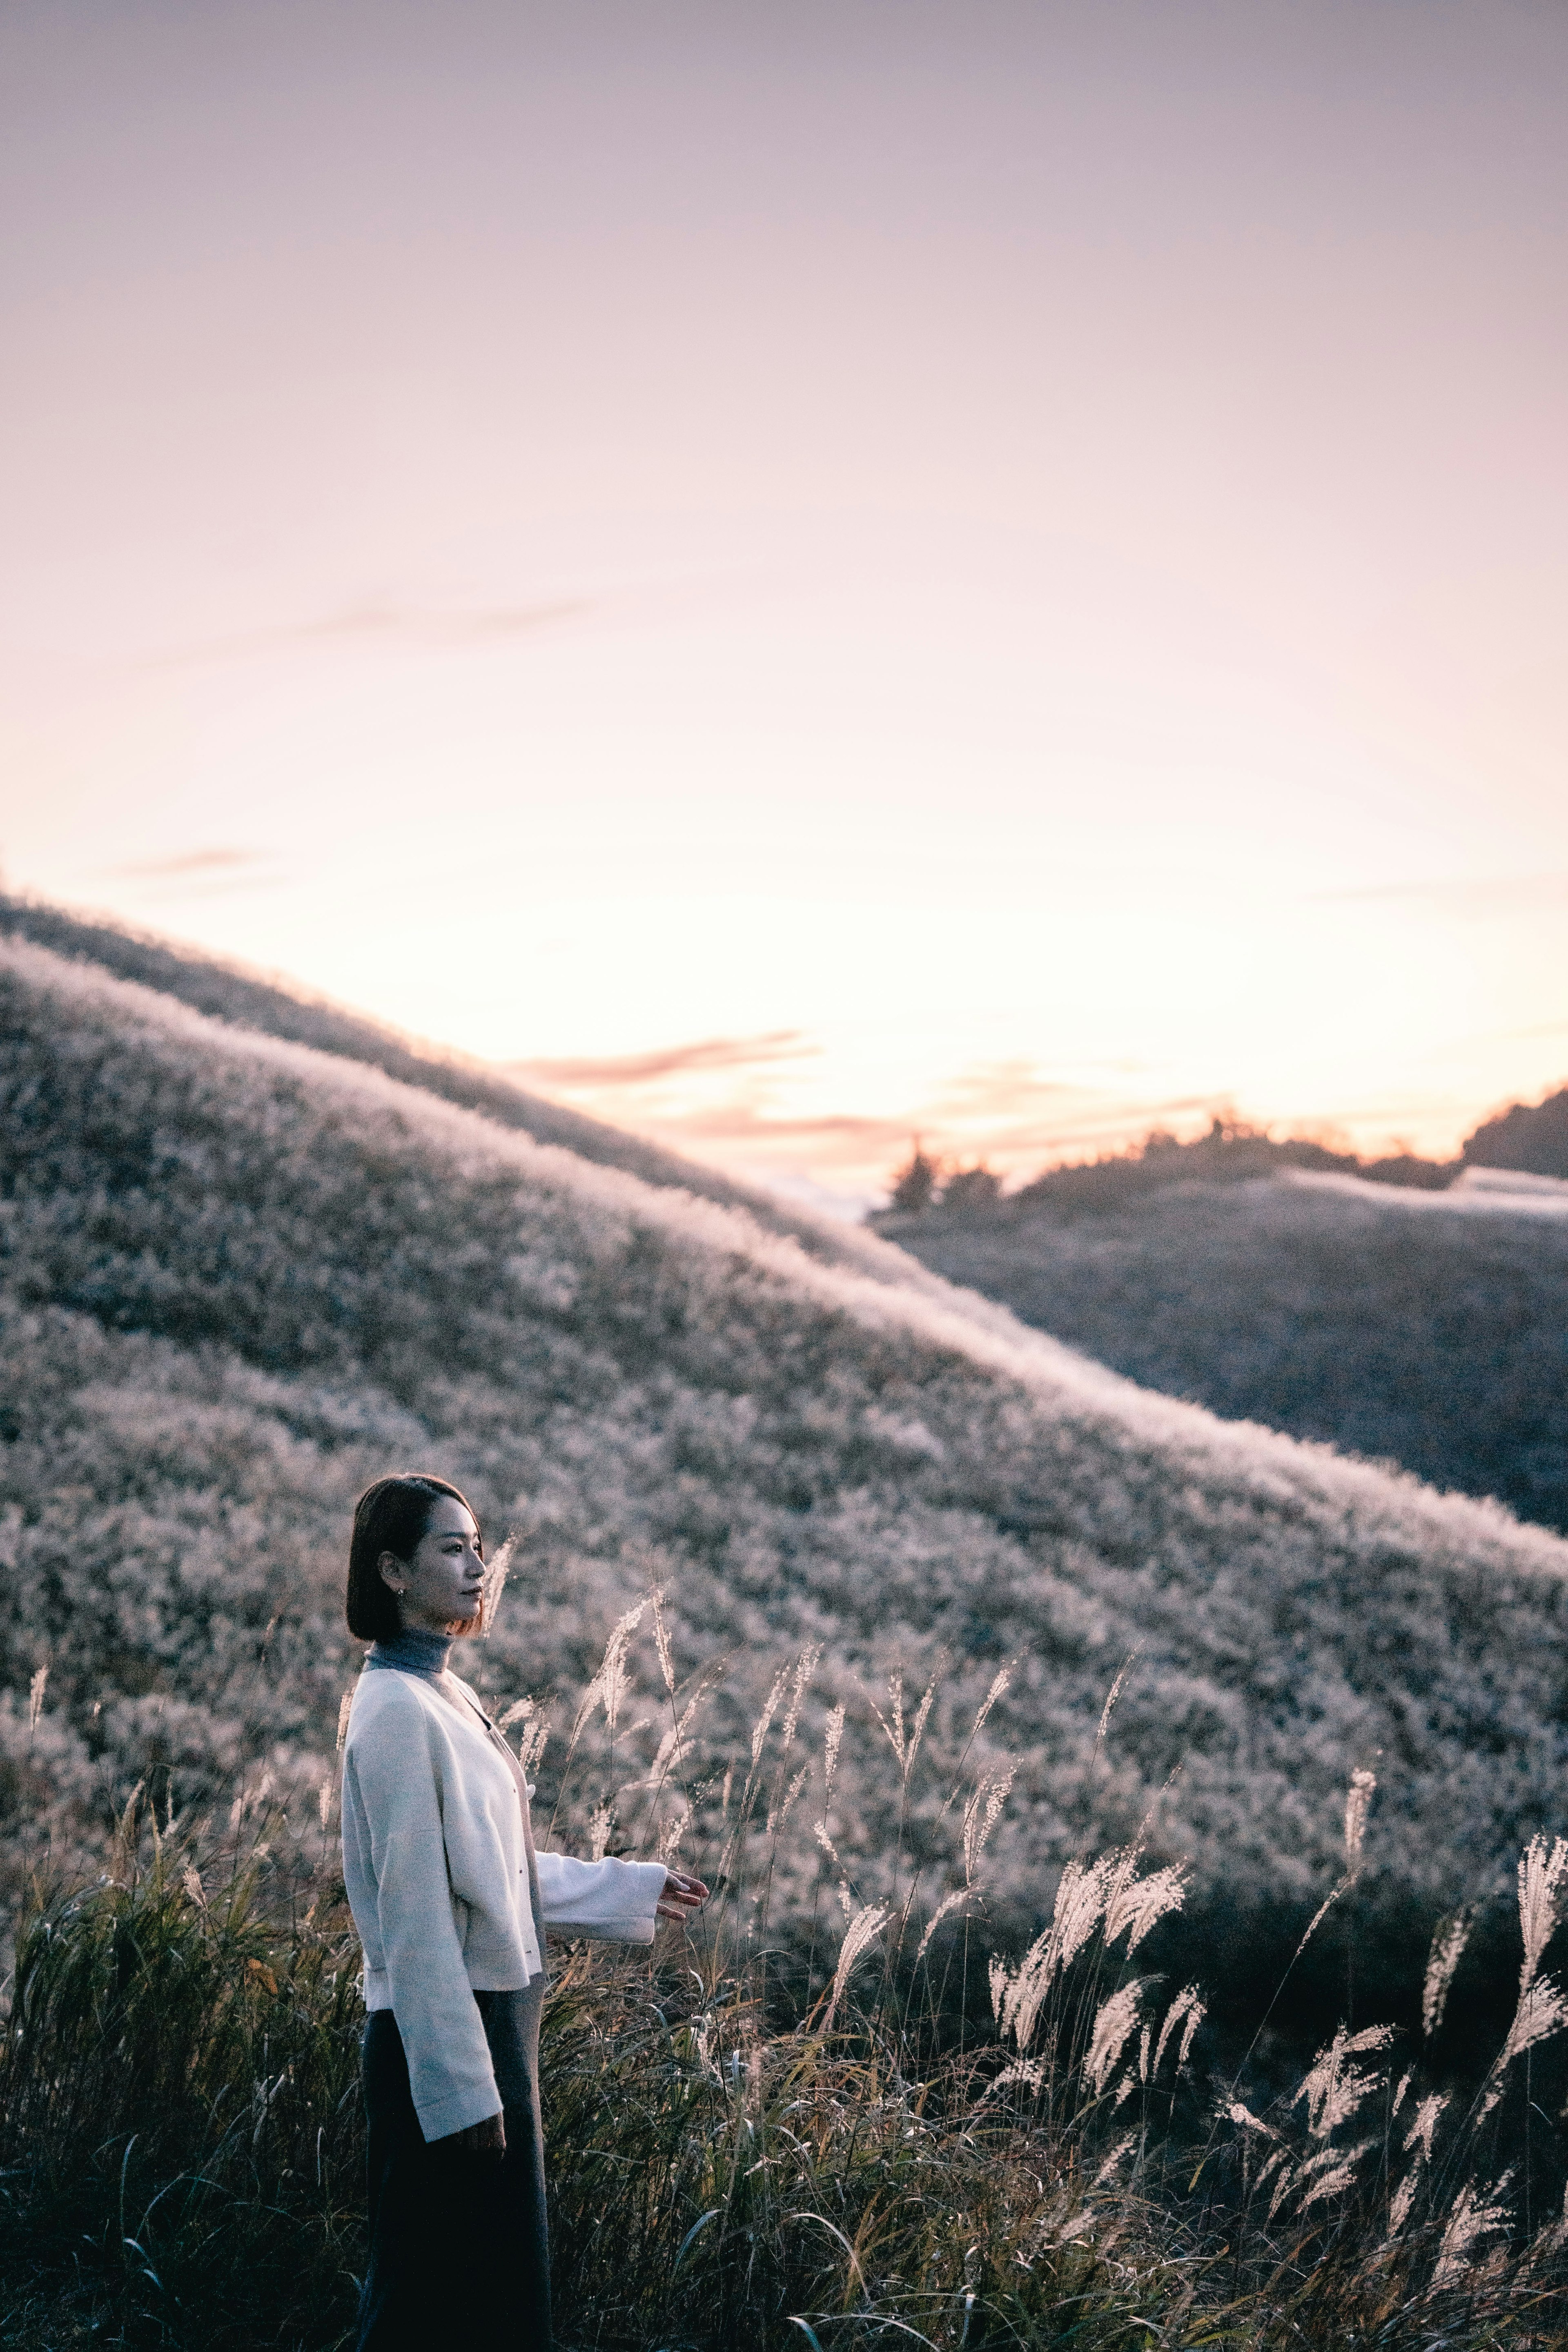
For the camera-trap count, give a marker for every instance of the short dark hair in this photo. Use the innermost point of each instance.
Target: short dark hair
(391, 1515)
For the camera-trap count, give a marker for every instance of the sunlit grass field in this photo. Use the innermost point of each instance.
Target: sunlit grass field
(762, 2143)
(1015, 2021)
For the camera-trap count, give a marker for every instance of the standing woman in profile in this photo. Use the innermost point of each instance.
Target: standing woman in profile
(451, 1903)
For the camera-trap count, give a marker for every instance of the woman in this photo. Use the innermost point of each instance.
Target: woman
(451, 1902)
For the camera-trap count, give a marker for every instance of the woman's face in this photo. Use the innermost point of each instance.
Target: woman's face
(440, 1588)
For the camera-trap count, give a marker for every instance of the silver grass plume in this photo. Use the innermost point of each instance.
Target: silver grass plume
(1399, 2205)
(1334, 2173)
(1282, 2187)
(905, 1747)
(611, 1682)
(895, 1731)
(1188, 2011)
(1082, 1892)
(534, 1729)
(1113, 2021)
(1448, 1940)
(1000, 1686)
(1113, 1694)
(673, 1833)
(614, 1675)
(1133, 1904)
(1318, 1917)
(1332, 2089)
(1245, 2120)
(863, 1929)
(344, 1704)
(1358, 1804)
(1423, 2123)
(497, 1570)
(676, 1743)
(1540, 1880)
(1542, 2012)
(661, 1639)
(981, 1813)
(769, 1708)
(832, 1739)
(1471, 2216)
(949, 1903)
(534, 1741)
(1031, 2071)
(1112, 2161)
(1017, 1995)
(35, 1699)
(776, 1821)
(805, 1666)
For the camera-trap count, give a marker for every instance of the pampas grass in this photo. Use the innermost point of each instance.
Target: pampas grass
(180, 2135)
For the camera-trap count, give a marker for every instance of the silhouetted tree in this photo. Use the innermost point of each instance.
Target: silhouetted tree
(914, 1186)
(972, 1191)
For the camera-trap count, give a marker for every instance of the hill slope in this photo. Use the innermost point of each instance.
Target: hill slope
(238, 1277)
(245, 1000)
(1431, 1327)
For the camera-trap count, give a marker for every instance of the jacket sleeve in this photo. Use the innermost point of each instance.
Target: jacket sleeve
(613, 1900)
(399, 1768)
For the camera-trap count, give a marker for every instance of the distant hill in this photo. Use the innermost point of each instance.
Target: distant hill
(1429, 1327)
(1529, 1137)
(239, 1278)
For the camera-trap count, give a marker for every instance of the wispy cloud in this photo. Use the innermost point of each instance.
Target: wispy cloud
(671, 1061)
(190, 863)
(382, 623)
(1010, 1117)
(191, 874)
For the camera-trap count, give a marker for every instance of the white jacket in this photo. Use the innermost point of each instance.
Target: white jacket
(435, 1851)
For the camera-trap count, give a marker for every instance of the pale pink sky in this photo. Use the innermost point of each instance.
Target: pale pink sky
(810, 572)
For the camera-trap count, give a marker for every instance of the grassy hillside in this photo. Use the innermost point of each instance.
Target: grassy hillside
(245, 1000)
(240, 1277)
(1428, 1327)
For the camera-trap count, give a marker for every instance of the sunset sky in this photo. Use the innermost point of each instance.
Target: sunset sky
(809, 574)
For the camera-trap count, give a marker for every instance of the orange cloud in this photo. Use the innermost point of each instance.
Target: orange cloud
(670, 1061)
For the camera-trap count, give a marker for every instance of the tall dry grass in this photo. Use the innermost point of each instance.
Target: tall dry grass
(749, 2151)
(237, 1279)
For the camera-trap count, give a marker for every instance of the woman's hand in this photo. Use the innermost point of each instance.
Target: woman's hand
(682, 1895)
(486, 2139)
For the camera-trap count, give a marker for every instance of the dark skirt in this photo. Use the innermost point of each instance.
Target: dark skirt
(458, 2242)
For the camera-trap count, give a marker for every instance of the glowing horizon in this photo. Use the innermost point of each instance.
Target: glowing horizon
(806, 583)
